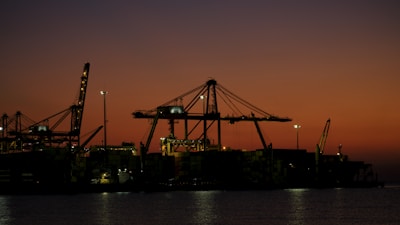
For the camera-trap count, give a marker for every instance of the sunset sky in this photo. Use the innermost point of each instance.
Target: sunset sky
(307, 60)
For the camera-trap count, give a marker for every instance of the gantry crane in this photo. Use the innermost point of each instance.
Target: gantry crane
(207, 95)
(76, 111)
(41, 134)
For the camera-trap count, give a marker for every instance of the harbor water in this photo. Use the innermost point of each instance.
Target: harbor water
(289, 207)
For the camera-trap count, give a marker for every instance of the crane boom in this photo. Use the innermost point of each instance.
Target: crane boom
(321, 145)
(324, 136)
(77, 110)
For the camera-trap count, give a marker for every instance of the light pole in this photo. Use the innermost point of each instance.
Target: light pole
(104, 93)
(203, 99)
(2, 136)
(297, 127)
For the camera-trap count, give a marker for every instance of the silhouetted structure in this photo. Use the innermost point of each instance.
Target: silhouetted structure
(30, 162)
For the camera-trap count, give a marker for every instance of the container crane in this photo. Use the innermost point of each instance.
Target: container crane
(207, 96)
(76, 112)
(319, 150)
(37, 135)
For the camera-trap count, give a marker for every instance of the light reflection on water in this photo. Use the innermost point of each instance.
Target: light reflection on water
(104, 208)
(4, 210)
(204, 207)
(297, 206)
(278, 207)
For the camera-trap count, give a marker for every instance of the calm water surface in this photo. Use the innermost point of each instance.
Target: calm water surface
(296, 206)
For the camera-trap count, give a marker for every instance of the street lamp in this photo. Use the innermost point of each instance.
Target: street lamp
(203, 99)
(104, 93)
(2, 136)
(297, 127)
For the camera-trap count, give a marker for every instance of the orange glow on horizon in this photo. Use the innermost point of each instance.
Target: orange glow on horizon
(309, 62)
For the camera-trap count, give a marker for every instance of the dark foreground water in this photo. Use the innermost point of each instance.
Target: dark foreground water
(296, 206)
